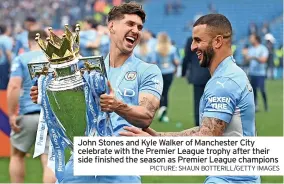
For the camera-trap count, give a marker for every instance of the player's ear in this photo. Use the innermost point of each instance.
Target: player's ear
(110, 27)
(218, 41)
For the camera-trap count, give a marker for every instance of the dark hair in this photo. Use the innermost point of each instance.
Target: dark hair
(218, 23)
(91, 21)
(3, 29)
(257, 37)
(118, 12)
(32, 35)
(30, 19)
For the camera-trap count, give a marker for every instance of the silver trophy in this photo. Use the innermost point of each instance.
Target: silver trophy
(65, 90)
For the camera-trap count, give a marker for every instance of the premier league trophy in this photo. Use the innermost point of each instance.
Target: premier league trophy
(69, 89)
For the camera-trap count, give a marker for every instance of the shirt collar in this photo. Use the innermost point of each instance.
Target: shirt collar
(130, 59)
(224, 63)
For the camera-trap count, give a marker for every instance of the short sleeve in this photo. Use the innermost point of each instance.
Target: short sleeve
(264, 52)
(221, 97)
(152, 81)
(9, 44)
(175, 54)
(16, 68)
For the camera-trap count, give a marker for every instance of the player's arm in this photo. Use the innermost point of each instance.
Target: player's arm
(93, 44)
(143, 114)
(140, 116)
(150, 90)
(209, 127)
(261, 59)
(14, 87)
(13, 93)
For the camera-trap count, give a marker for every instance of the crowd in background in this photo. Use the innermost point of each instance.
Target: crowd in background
(274, 64)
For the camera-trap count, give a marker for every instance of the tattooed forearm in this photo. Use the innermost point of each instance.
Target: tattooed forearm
(145, 102)
(139, 115)
(211, 127)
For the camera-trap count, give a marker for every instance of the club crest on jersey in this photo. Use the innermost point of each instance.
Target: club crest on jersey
(130, 76)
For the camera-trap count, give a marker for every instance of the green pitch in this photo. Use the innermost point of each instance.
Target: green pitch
(181, 117)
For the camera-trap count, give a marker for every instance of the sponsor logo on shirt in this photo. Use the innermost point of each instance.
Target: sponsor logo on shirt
(14, 67)
(221, 84)
(219, 102)
(126, 92)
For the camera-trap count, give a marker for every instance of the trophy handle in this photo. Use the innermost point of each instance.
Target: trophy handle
(94, 63)
(37, 69)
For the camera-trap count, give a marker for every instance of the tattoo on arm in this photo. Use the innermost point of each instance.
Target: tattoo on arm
(148, 104)
(209, 127)
(212, 127)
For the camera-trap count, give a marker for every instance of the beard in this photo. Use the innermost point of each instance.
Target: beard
(208, 55)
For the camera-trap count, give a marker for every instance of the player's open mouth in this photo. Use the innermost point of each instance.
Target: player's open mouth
(199, 54)
(130, 39)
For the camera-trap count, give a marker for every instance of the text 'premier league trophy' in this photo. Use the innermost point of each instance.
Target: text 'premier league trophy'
(69, 87)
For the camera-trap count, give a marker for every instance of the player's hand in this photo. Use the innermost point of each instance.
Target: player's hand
(34, 93)
(13, 124)
(134, 131)
(108, 102)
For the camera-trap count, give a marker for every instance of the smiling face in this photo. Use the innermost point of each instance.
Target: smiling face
(126, 32)
(202, 45)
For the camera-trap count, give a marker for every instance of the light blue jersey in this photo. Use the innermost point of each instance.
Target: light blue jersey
(85, 38)
(131, 79)
(152, 42)
(6, 44)
(256, 68)
(128, 81)
(166, 63)
(104, 45)
(21, 42)
(228, 96)
(20, 69)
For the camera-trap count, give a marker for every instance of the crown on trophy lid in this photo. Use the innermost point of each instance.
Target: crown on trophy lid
(60, 50)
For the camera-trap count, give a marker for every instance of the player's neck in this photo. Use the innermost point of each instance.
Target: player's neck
(256, 44)
(218, 58)
(116, 58)
(34, 47)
